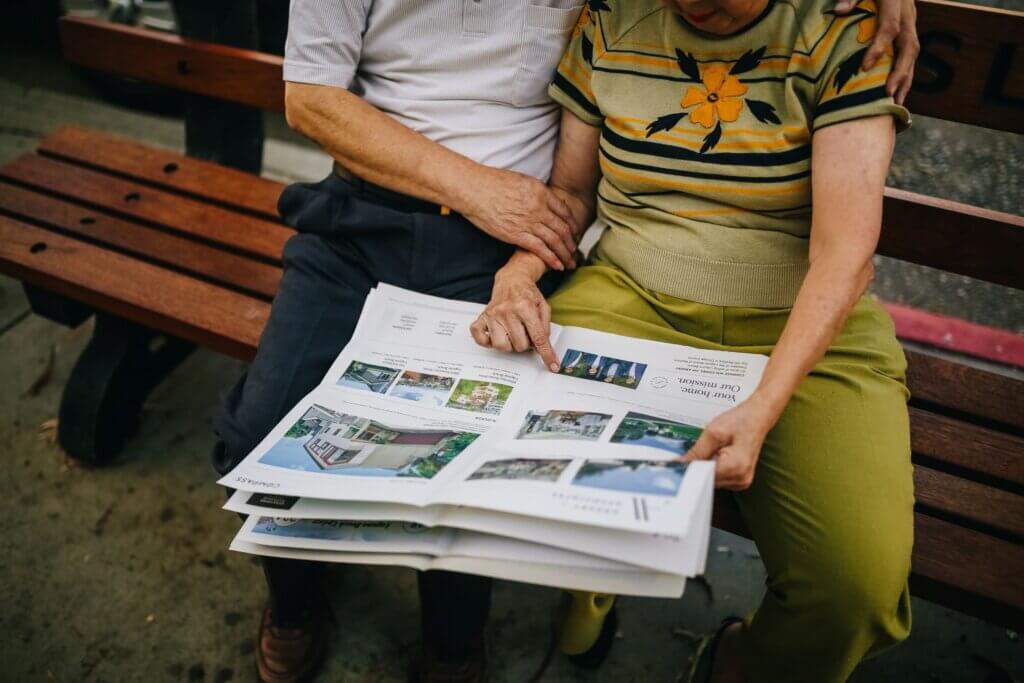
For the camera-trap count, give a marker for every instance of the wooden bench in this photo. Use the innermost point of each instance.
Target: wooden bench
(171, 251)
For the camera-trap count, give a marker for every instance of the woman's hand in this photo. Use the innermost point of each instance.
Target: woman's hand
(517, 318)
(735, 438)
(523, 211)
(897, 25)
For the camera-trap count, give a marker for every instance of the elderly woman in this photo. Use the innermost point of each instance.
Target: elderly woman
(698, 122)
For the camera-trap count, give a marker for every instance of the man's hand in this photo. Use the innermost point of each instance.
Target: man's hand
(734, 439)
(517, 318)
(897, 23)
(523, 211)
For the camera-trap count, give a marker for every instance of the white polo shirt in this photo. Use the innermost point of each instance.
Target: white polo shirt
(471, 75)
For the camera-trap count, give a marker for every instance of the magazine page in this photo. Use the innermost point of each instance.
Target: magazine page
(398, 413)
(599, 442)
(588, 577)
(414, 412)
(683, 554)
(375, 536)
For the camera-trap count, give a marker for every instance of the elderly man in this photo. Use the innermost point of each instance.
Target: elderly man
(437, 116)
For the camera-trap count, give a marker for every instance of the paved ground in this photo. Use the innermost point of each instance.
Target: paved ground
(121, 574)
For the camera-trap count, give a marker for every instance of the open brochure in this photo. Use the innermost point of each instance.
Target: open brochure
(420, 547)
(414, 412)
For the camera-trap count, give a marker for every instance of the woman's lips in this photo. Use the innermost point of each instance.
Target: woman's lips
(700, 18)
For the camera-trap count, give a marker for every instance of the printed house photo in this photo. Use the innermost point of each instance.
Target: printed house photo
(480, 396)
(622, 373)
(521, 468)
(419, 386)
(653, 477)
(323, 440)
(637, 429)
(563, 424)
(375, 378)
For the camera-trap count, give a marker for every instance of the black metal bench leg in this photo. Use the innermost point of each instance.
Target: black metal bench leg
(103, 398)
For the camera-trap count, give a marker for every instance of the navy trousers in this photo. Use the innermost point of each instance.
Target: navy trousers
(351, 236)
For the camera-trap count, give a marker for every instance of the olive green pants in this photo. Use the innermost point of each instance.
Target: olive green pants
(831, 506)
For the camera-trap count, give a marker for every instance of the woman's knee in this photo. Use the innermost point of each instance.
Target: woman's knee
(860, 589)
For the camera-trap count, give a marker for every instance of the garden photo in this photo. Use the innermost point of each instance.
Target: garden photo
(480, 396)
(653, 477)
(563, 424)
(521, 468)
(637, 429)
(584, 365)
(323, 440)
(367, 377)
(424, 388)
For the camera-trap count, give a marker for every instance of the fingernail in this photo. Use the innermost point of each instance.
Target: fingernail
(553, 367)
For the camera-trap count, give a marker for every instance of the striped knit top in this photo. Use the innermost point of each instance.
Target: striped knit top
(706, 140)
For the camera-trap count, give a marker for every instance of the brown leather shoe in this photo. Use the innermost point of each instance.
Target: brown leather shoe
(427, 667)
(291, 654)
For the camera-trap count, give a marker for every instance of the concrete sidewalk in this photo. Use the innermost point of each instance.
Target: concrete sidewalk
(122, 573)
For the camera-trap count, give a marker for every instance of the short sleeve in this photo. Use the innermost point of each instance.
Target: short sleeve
(844, 91)
(325, 39)
(571, 87)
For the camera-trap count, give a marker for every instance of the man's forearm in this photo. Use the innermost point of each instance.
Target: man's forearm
(372, 145)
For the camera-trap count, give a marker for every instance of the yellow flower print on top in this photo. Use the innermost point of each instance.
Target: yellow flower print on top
(717, 96)
(717, 100)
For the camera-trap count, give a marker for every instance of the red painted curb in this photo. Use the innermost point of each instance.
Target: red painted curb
(953, 334)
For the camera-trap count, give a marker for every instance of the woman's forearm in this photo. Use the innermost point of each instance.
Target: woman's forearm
(575, 170)
(849, 162)
(522, 264)
(831, 289)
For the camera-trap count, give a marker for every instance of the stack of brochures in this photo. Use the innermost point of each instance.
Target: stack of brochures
(421, 449)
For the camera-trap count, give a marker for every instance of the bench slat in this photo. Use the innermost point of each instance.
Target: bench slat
(166, 170)
(973, 502)
(954, 237)
(965, 389)
(968, 561)
(170, 302)
(228, 73)
(232, 230)
(964, 445)
(207, 262)
(977, 572)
